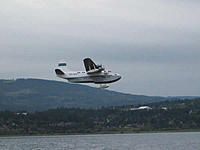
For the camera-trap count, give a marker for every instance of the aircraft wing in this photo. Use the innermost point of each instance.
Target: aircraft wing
(91, 67)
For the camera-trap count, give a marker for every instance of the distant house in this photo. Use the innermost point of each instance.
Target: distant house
(164, 108)
(22, 113)
(25, 113)
(141, 108)
(145, 107)
(132, 109)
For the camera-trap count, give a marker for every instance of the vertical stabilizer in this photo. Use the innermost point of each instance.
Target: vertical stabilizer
(62, 68)
(89, 64)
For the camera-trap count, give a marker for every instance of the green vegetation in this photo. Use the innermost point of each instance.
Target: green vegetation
(39, 95)
(180, 115)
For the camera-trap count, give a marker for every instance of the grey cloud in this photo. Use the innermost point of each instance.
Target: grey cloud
(153, 44)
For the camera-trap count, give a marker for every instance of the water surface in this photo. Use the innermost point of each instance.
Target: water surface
(155, 141)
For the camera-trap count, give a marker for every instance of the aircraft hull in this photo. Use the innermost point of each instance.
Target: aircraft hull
(101, 79)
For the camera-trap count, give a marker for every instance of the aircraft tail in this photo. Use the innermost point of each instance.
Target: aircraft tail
(91, 67)
(89, 64)
(62, 68)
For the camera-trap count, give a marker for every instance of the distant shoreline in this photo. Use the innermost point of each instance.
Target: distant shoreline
(111, 132)
(180, 116)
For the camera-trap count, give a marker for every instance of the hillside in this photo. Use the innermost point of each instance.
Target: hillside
(39, 95)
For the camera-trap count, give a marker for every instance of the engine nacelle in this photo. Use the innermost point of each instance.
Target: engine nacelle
(100, 67)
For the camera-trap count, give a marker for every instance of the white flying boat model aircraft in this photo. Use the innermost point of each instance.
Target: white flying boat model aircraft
(93, 74)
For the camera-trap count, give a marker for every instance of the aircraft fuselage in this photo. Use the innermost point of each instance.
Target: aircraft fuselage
(97, 78)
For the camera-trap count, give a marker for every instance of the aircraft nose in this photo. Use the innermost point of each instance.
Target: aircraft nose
(119, 77)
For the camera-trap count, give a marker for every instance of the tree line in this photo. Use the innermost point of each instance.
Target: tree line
(178, 115)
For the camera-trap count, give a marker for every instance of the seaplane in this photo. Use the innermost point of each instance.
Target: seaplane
(93, 74)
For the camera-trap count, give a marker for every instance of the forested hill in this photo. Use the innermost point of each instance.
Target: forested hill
(179, 115)
(39, 95)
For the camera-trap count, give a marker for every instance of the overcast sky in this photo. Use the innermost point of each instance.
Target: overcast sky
(153, 44)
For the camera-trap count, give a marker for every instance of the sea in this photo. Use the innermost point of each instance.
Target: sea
(150, 141)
